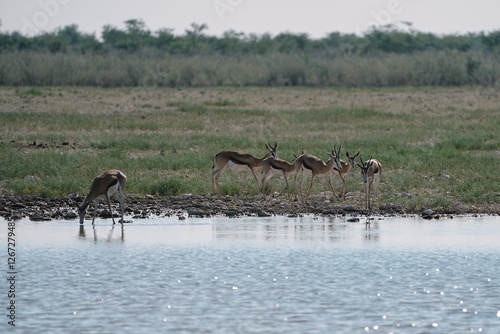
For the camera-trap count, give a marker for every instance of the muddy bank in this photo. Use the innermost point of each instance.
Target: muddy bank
(143, 207)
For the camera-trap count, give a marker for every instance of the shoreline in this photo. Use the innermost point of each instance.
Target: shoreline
(37, 208)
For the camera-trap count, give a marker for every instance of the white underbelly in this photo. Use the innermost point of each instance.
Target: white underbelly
(276, 171)
(307, 173)
(113, 189)
(238, 168)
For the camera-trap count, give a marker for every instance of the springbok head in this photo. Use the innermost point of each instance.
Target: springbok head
(352, 158)
(336, 156)
(366, 168)
(272, 149)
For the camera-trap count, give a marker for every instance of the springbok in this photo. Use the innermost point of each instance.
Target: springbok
(274, 166)
(111, 182)
(346, 167)
(240, 162)
(316, 167)
(370, 169)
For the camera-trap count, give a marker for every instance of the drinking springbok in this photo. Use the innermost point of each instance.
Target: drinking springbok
(371, 169)
(111, 182)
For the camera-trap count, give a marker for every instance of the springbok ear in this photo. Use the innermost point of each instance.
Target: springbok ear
(347, 154)
(359, 165)
(356, 154)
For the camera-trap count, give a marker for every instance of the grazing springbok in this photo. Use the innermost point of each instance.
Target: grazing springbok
(111, 182)
(370, 169)
(274, 166)
(346, 167)
(240, 162)
(317, 168)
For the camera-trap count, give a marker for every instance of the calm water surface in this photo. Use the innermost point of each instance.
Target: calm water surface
(254, 275)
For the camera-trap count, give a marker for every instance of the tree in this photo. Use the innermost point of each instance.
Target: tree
(288, 43)
(138, 35)
(71, 34)
(229, 43)
(491, 41)
(135, 37)
(164, 38)
(194, 35)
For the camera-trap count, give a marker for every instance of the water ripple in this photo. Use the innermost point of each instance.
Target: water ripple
(311, 276)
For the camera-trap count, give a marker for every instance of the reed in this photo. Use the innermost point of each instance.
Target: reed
(149, 69)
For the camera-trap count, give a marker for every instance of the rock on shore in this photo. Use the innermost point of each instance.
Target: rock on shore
(141, 207)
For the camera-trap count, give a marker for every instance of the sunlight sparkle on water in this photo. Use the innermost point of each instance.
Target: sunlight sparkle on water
(428, 272)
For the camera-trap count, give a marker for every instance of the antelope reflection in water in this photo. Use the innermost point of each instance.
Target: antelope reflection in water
(83, 235)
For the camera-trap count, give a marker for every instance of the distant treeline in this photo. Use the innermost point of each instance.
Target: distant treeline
(135, 56)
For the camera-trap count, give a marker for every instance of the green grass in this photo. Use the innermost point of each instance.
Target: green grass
(164, 139)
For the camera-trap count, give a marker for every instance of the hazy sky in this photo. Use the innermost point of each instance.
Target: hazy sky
(314, 17)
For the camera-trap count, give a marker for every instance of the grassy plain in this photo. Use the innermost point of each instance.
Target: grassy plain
(439, 147)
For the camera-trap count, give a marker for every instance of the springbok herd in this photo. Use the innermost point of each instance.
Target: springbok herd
(305, 164)
(112, 182)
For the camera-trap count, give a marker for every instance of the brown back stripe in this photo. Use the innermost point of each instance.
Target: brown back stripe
(274, 165)
(304, 163)
(238, 162)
